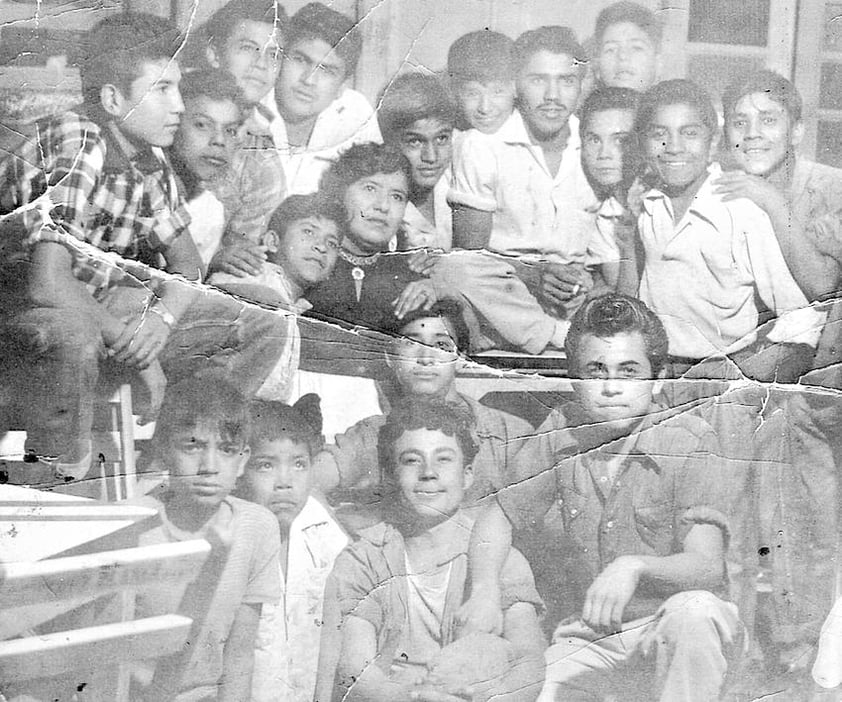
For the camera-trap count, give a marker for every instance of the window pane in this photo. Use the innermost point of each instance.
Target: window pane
(743, 22)
(830, 86)
(833, 26)
(829, 143)
(715, 72)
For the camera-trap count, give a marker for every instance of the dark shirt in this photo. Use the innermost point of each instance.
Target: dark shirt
(382, 282)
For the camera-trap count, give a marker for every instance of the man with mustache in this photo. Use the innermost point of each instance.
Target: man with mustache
(522, 191)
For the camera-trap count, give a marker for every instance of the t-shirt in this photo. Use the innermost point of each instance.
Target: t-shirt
(247, 572)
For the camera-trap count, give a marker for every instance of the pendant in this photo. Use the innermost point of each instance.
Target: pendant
(358, 274)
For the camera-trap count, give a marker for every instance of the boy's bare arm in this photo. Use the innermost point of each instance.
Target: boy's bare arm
(701, 566)
(238, 655)
(52, 284)
(491, 539)
(815, 272)
(471, 228)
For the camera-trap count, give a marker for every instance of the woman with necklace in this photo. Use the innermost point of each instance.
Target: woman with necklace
(371, 286)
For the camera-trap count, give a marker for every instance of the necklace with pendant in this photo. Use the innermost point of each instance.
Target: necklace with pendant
(359, 263)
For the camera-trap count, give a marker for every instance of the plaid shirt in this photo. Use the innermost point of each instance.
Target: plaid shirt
(87, 187)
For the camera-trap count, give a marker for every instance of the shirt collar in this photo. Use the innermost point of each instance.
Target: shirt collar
(121, 154)
(514, 131)
(701, 200)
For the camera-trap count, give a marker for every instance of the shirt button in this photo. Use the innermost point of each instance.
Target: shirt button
(603, 479)
(609, 524)
(574, 511)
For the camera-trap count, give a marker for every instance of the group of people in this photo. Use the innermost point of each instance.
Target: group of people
(207, 205)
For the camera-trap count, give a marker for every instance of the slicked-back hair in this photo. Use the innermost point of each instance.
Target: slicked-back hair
(412, 413)
(214, 84)
(411, 97)
(117, 49)
(448, 310)
(297, 207)
(607, 98)
(555, 39)
(612, 314)
(341, 33)
(360, 161)
(482, 56)
(676, 92)
(771, 84)
(205, 398)
(300, 423)
(632, 13)
(227, 18)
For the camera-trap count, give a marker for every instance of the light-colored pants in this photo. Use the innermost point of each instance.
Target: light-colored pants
(681, 654)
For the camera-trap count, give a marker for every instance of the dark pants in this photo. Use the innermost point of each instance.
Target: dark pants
(54, 358)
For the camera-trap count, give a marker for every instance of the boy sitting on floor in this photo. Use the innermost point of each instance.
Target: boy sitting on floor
(400, 585)
(200, 438)
(642, 499)
(278, 476)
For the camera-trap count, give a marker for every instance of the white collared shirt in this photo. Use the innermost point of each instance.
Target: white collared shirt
(703, 275)
(287, 648)
(534, 212)
(347, 120)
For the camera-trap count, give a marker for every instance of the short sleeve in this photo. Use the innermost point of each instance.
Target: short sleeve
(264, 581)
(602, 245)
(517, 583)
(475, 173)
(355, 583)
(532, 485)
(704, 487)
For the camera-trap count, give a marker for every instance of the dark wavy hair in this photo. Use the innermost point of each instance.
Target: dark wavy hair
(772, 84)
(360, 161)
(413, 413)
(629, 12)
(555, 39)
(611, 314)
(222, 23)
(117, 48)
(411, 97)
(341, 33)
(300, 423)
(676, 92)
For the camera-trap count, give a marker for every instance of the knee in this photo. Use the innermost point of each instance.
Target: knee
(695, 615)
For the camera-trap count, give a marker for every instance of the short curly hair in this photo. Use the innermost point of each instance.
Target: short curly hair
(412, 97)
(413, 413)
(611, 314)
(360, 161)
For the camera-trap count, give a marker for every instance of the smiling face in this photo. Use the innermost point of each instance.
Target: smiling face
(252, 55)
(308, 250)
(204, 465)
(616, 383)
(427, 143)
(628, 58)
(425, 359)
(278, 477)
(312, 75)
(548, 88)
(375, 207)
(431, 474)
(761, 135)
(605, 146)
(151, 112)
(679, 147)
(486, 105)
(207, 139)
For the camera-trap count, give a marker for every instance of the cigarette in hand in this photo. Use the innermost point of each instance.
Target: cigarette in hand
(576, 289)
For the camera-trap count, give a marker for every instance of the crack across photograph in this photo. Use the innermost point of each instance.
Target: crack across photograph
(449, 351)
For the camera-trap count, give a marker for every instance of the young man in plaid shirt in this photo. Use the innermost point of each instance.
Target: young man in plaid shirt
(87, 202)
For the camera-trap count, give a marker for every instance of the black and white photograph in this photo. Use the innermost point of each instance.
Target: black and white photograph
(421, 351)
